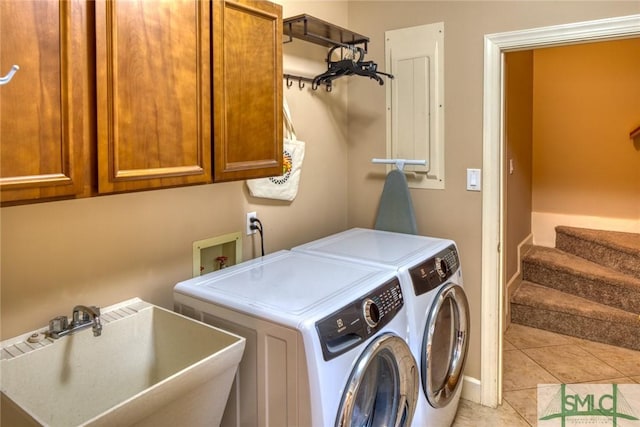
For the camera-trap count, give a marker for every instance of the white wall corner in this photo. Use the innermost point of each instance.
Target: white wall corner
(543, 225)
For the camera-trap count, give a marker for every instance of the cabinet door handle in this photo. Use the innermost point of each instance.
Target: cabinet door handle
(6, 79)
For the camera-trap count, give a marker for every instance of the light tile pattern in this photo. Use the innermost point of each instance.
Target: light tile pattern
(572, 364)
(533, 356)
(474, 415)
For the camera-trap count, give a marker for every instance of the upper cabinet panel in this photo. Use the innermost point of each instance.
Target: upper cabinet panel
(154, 94)
(117, 95)
(247, 75)
(43, 131)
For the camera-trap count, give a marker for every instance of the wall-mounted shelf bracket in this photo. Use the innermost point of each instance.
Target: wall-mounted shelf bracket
(320, 32)
(350, 46)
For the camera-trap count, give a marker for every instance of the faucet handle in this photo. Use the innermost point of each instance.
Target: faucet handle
(58, 324)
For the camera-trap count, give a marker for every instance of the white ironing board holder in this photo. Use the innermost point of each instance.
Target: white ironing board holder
(400, 163)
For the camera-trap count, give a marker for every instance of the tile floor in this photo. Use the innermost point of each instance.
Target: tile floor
(533, 356)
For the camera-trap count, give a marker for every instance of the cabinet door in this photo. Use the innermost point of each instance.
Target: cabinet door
(247, 76)
(43, 130)
(153, 87)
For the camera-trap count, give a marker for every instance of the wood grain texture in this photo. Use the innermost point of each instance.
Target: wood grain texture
(116, 96)
(154, 102)
(43, 129)
(247, 37)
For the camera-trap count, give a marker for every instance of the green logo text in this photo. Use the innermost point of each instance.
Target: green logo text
(567, 404)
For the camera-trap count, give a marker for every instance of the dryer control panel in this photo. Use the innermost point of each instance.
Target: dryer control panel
(434, 271)
(355, 323)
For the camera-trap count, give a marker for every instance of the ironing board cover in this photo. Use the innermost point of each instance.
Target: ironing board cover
(395, 212)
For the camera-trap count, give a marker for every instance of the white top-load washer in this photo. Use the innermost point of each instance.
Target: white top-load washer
(431, 278)
(326, 340)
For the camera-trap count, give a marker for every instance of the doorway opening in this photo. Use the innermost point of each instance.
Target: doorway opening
(494, 163)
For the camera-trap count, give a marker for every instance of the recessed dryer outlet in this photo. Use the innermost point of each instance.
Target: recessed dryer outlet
(216, 252)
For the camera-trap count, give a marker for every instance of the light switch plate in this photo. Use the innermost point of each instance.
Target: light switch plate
(474, 179)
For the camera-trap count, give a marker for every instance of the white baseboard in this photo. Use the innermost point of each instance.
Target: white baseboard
(543, 225)
(471, 389)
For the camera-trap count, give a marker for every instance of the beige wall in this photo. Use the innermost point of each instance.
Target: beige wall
(454, 212)
(586, 101)
(106, 249)
(518, 153)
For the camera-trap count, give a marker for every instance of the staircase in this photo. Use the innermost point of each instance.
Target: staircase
(588, 286)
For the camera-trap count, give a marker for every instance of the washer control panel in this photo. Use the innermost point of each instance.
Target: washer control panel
(434, 271)
(355, 323)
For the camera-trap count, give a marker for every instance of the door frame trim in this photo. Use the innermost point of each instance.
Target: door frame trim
(493, 162)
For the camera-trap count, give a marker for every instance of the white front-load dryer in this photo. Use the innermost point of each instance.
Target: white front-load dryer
(326, 341)
(437, 308)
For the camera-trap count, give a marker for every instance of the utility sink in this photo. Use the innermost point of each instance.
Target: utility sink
(150, 367)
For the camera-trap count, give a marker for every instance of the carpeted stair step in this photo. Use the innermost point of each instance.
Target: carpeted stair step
(575, 275)
(545, 308)
(613, 249)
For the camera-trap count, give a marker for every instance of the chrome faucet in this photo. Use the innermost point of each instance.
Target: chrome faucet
(81, 318)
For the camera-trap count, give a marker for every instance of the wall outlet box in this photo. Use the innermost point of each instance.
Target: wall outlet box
(250, 215)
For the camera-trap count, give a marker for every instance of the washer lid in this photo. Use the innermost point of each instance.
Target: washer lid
(375, 247)
(285, 285)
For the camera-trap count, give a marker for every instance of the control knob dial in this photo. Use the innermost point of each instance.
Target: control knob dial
(371, 312)
(442, 267)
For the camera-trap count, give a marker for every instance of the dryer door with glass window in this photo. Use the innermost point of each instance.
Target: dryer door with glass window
(383, 388)
(444, 346)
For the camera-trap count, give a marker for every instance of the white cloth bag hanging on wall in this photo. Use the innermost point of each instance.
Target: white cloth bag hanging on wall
(284, 187)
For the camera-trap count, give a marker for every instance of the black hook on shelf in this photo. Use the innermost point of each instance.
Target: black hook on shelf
(301, 82)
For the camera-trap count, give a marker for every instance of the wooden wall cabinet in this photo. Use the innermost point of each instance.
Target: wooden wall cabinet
(130, 95)
(247, 89)
(154, 94)
(44, 125)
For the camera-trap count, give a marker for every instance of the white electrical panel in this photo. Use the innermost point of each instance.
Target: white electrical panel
(415, 101)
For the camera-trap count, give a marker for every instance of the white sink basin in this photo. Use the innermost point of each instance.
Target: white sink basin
(149, 367)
